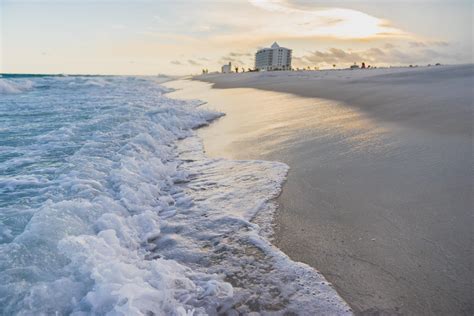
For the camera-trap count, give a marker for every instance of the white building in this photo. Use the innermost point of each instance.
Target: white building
(273, 58)
(226, 69)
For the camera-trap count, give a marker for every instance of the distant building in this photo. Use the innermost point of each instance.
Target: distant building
(355, 66)
(273, 58)
(226, 69)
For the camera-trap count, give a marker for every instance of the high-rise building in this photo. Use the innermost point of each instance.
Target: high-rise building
(273, 58)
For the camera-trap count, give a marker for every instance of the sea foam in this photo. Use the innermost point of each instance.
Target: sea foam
(15, 86)
(109, 206)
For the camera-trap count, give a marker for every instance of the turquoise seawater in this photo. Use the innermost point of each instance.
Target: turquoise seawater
(109, 206)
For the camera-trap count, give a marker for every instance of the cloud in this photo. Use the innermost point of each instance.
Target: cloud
(440, 43)
(333, 55)
(324, 22)
(239, 54)
(194, 63)
(417, 44)
(429, 52)
(238, 58)
(382, 56)
(429, 43)
(176, 62)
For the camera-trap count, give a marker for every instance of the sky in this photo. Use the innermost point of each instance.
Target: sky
(149, 37)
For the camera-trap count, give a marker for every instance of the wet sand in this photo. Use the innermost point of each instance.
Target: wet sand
(379, 202)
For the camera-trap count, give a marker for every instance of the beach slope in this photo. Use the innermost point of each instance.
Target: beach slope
(379, 193)
(435, 98)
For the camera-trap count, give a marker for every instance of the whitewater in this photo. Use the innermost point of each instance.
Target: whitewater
(109, 206)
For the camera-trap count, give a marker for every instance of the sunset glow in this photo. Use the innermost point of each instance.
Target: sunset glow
(187, 36)
(326, 22)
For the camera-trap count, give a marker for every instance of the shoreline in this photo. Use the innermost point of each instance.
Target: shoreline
(138, 197)
(285, 284)
(237, 136)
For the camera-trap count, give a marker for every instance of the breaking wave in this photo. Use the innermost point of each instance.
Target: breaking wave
(109, 206)
(15, 86)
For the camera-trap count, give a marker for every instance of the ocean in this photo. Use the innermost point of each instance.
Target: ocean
(108, 205)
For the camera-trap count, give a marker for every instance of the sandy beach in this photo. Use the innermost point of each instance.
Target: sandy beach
(378, 197)
(416, 97)
(237, 158)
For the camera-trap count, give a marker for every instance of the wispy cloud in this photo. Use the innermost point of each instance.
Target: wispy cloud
(325, 22)
(233, 54)
(428, 43)
(194, 63)
(238, 58)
